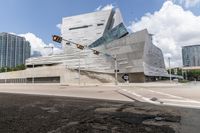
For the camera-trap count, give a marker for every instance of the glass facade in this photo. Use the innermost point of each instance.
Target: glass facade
(191, 56)
(14, 50)
(115, 33)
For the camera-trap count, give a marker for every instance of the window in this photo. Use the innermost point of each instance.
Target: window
(115, 33)
(100, 24)
(80, 27)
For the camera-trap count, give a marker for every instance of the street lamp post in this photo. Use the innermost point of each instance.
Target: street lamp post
(32, 73)
(186, 75)
(170, 74)
(50, 48)
(6, 71)
(182, 73)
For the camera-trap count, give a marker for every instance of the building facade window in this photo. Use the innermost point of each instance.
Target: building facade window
(101, 24)
(115, 33)
(80, 27)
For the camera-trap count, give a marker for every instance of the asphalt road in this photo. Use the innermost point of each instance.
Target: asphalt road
(99, 108)
(21, 113)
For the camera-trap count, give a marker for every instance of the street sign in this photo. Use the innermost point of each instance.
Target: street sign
(125, 77)
(96, 52)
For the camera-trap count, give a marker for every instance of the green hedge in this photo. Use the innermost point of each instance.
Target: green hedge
(9, 69)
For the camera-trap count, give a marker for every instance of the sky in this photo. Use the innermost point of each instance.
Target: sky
(174, 23)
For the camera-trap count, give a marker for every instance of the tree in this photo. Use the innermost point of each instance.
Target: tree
(8, 69)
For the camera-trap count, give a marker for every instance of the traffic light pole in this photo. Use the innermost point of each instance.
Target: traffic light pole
(116, 81)
(59, 39)
(79, 71)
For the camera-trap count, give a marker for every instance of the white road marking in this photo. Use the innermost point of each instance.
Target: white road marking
(183, 105)
(179, 101)
(140, 96)
(184, 101)
(166, 94)
(178, 97)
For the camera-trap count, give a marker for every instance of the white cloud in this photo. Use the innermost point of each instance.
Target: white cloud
(106, 7)
(37, 44)
(173, 27)
(188, 3)
(98, 8)
(59, 26)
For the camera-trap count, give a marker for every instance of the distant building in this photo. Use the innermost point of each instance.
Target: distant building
(36, 54)
(14, 50)
(191, 55)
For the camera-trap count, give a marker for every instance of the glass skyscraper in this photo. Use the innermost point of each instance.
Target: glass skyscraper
(14, 50)
(191, 55)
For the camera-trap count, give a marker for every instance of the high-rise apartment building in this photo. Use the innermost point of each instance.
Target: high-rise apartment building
(191, 55)
(14, 50)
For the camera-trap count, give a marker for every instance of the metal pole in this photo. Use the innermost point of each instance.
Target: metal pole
(32, 74)
(170, 74)
(52, 50)
(186, 77)
(6, 71)
(116, 82)
(182, 73)
(79, 80)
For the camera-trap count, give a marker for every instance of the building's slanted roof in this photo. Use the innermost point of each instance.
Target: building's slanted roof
(197, 45)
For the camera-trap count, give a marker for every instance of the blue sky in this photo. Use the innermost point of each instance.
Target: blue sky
(174, 23)
(41, 16)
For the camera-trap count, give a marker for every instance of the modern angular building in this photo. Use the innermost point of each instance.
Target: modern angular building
(191, 55)
(14, 50)
(87, 28)
(103, 31)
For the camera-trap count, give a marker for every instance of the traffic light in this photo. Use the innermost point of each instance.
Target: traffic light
(96, 52)
(57, 38)
(80, 46)
(68, 43)
(116, 70)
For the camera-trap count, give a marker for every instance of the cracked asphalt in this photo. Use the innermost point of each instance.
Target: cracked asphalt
(20, 113)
